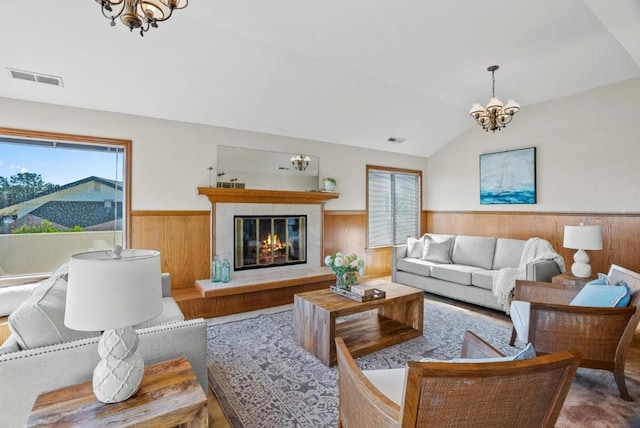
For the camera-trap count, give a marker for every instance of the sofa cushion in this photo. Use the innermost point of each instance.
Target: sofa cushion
(415, 247)
(474, 251)
(39, 320)
(436, 250)
(388, 381)
(10, 345)
(508, 253)
(459, 274)
(416, 266)
(438, 237)
(519, 313)
(11, 297)
(483, 279)
(170, 313)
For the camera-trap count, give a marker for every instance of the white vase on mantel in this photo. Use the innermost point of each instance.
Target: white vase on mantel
(329, 186)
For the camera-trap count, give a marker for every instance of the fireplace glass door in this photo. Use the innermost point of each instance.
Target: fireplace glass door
(266, 241)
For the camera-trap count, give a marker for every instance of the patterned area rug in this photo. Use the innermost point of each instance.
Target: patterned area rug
(263, 379)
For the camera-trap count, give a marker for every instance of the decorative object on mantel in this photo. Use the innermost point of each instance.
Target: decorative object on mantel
(142, 14)
(300, 162)
(111, 291)
(231, 184)
(582, 238)
(495, 115)
(375, 295)
(508, 177)
(346, 267)
(329, 184)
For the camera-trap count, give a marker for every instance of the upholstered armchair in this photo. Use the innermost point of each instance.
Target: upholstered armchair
(601, 334)
(523, 393)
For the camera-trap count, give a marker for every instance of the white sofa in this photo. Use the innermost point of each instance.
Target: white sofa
(63, 357)
(462, 267)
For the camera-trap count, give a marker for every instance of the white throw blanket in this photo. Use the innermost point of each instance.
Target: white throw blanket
(504, 280)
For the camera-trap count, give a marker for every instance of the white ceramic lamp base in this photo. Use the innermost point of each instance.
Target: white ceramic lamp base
(119, 373)
(581, 268)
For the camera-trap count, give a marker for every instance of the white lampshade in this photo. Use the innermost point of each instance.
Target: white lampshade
(494, 104)
(106, 293)
(583, 237)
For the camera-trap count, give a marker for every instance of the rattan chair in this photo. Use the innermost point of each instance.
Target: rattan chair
(524, 393)
(602, 335)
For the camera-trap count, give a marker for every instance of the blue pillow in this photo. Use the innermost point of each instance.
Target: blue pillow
(597, 293)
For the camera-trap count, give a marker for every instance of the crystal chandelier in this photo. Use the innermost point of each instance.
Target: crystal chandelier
(495, 115)
(300, 162)
(142, 14)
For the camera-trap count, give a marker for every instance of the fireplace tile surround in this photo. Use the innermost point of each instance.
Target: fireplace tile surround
(224, 214)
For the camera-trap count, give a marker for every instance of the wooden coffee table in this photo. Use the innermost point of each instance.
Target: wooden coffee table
(396, 318)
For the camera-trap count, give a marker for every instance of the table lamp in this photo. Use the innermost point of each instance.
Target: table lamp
(111, 291)
(582, 238)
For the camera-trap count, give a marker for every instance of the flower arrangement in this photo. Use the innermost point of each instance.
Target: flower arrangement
(345, 266)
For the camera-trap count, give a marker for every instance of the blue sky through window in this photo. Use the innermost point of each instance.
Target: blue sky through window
(58, 165)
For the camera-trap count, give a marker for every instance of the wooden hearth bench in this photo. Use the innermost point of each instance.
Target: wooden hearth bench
(250, 290)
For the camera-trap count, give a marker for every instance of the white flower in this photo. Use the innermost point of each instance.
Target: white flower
(339, 261)
(355, 264)
(327, 260)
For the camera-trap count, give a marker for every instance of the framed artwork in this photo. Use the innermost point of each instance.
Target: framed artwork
(508, 177)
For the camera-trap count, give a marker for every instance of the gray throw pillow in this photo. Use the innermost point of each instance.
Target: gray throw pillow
(39, 320)
(436, 251)
(415, 247)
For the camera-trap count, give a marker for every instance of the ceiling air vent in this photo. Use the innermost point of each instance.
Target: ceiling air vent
(35, 77)
(395, 140)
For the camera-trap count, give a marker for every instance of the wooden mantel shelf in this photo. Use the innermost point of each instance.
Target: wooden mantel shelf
(254, 196)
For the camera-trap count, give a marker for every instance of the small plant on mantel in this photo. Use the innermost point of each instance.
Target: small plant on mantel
(329, 184)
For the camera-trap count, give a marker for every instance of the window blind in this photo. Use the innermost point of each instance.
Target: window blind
(393, 207)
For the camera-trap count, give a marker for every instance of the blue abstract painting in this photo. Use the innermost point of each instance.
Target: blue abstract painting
(508, 177)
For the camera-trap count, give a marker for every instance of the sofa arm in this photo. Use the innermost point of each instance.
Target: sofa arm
(542, 270)
(166, 285)
(397, 252)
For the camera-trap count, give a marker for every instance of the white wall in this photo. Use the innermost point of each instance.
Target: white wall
(170, 159)
(588, 155)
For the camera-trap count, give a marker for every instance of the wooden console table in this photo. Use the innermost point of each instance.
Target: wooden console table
(169, 396)
(399, 317)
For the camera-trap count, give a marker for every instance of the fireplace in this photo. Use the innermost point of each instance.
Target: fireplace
(268, 241)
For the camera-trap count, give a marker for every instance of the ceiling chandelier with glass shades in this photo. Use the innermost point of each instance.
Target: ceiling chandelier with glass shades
(300, 162)
(142, 14)
(496, 115)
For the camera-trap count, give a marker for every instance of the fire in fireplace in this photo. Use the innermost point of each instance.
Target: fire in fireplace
(267, 241)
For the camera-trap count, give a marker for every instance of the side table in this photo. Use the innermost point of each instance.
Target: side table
(169, 395)
(568, 280)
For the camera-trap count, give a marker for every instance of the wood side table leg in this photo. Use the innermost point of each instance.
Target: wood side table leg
(200, 419)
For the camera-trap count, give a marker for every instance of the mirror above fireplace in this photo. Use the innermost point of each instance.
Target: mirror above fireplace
(266, 170)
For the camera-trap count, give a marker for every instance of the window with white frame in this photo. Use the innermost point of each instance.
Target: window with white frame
(393, 205)
(58, 198)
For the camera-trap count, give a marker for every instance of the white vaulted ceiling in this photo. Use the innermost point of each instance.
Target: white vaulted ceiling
(352, 72)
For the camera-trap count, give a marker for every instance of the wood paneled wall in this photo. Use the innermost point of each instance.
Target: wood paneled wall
(182, 237)
(620, 232)
(346, 231)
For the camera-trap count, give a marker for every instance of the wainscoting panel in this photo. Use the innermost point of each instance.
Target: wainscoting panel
(620, 232)
(346, 231)
(182, 237)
